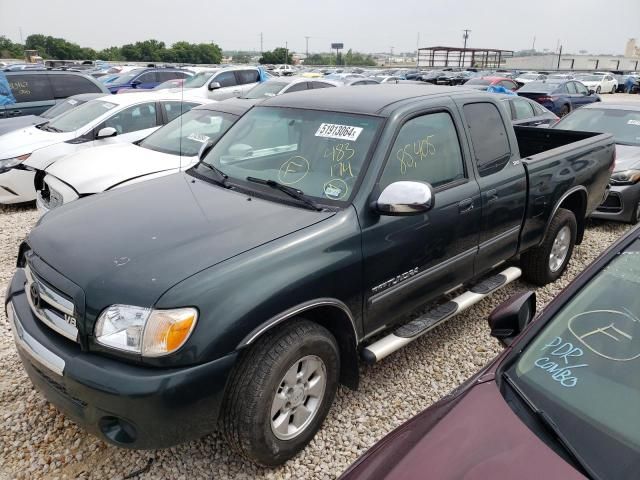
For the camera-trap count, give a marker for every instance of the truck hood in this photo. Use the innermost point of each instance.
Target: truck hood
(132, 244)
(627, 157)
(100, 168)
(26, 140)
(479, 438)
(15, 123)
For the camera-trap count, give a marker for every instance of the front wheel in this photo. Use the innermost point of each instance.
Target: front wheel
(598, 90)
(280, 392)
(613, 90)
(635, 216)
(546, 262)
(564, 110)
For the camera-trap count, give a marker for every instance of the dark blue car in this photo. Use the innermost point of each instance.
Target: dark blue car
(559, 95)
(145, 78)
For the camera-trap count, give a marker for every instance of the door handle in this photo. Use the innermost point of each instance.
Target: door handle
(14, 113)
(465, 205)
(491, 195)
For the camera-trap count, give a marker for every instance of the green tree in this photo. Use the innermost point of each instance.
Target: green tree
(8, 49)
(278, 55)
(111, 53)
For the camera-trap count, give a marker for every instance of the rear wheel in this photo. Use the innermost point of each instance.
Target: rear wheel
(598, 90)
(280, 392)
(613, 89)
(635, 216)
(564, 110)
(546, 262)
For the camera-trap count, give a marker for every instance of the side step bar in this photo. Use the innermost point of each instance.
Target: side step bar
(408, 332)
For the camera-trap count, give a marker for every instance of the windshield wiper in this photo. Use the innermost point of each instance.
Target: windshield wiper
(552, 428)
(48, 128)
(221, 177)
(292, 192)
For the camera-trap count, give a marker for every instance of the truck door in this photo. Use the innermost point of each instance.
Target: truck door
(412, 259)
(502, 181)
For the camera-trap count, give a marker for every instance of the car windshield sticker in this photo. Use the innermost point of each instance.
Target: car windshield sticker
(107, 105)
(634, 122)
(340, 132)
(198, 137)
(336, 189)
(72, 101)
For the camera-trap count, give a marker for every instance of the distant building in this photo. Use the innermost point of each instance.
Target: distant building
(574, 62)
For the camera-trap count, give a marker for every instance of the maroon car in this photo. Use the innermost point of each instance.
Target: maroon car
(561, 402)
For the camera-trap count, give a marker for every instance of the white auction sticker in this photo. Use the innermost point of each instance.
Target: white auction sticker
(198, 137)
(633, 122)
(341, 132)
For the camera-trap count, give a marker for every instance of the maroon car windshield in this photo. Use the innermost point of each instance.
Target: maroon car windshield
(582, 369)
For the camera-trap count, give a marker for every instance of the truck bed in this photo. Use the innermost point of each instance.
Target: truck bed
(554, 158)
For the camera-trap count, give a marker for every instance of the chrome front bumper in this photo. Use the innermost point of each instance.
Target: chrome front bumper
(29, 345)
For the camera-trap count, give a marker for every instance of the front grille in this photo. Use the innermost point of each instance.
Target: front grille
(613, 203)
(50, 306)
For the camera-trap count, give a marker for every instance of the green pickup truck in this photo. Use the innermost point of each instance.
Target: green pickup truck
(240, 293)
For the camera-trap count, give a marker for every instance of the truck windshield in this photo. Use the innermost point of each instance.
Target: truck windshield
(624, 125)
(62, 107)
(321, 153)
(80, 116)
(582, 369)
(186, 134)
(198, 80)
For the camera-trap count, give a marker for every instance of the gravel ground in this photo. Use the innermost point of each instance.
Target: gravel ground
(38, 442)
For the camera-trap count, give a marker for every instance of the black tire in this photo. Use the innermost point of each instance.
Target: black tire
(246, 410)
(535, 262)
(564, 110)
(635, 216)
(613, 90)
(598, 90)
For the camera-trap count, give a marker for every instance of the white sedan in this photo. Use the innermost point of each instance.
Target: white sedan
(173, 148)
(110, 119)
(599, 83)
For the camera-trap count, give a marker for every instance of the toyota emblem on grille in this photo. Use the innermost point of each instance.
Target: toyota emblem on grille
(35, 295)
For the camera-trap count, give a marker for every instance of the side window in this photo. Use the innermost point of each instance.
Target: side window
(321, 85)
(247, 76)
(225, 79)
(562, 89)
(488, 136)
(175, 109)
(65, 85)
(132, 119)
(507, 84)
(523, 109)
(30, 88)
(426, 149)
(298, 87)
(164, 76)
(149, 77)
(580, 88)
(571, 87)
(507, 104)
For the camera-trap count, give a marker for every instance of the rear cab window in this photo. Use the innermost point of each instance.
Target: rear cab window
(490, 142)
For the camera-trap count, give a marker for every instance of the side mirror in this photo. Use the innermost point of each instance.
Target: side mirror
(204, 150)
(591, 91)
(214, 86)
(135, 83)
(106, 132)
(511, 317)
(405, 198)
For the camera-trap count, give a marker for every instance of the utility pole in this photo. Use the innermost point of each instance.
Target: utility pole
(307, 39)
(261, 49)
(533, 47)
(390, 55)
(21, 40)
(560, 55)
(286, 53)
(465, 37)
(418, 51)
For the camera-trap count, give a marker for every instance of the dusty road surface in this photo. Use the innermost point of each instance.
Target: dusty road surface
(36, 441)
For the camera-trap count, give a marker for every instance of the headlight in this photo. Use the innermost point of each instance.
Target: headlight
(14, 161)
(626, 177)
(151, 333)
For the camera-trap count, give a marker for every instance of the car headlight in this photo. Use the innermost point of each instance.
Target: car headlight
(13, 161)
(625, 177)
(151, 333)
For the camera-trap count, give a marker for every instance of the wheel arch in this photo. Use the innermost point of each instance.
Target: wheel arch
(332, 314)
(575, 200)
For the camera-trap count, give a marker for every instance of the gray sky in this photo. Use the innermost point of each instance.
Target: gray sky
(366, 26)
